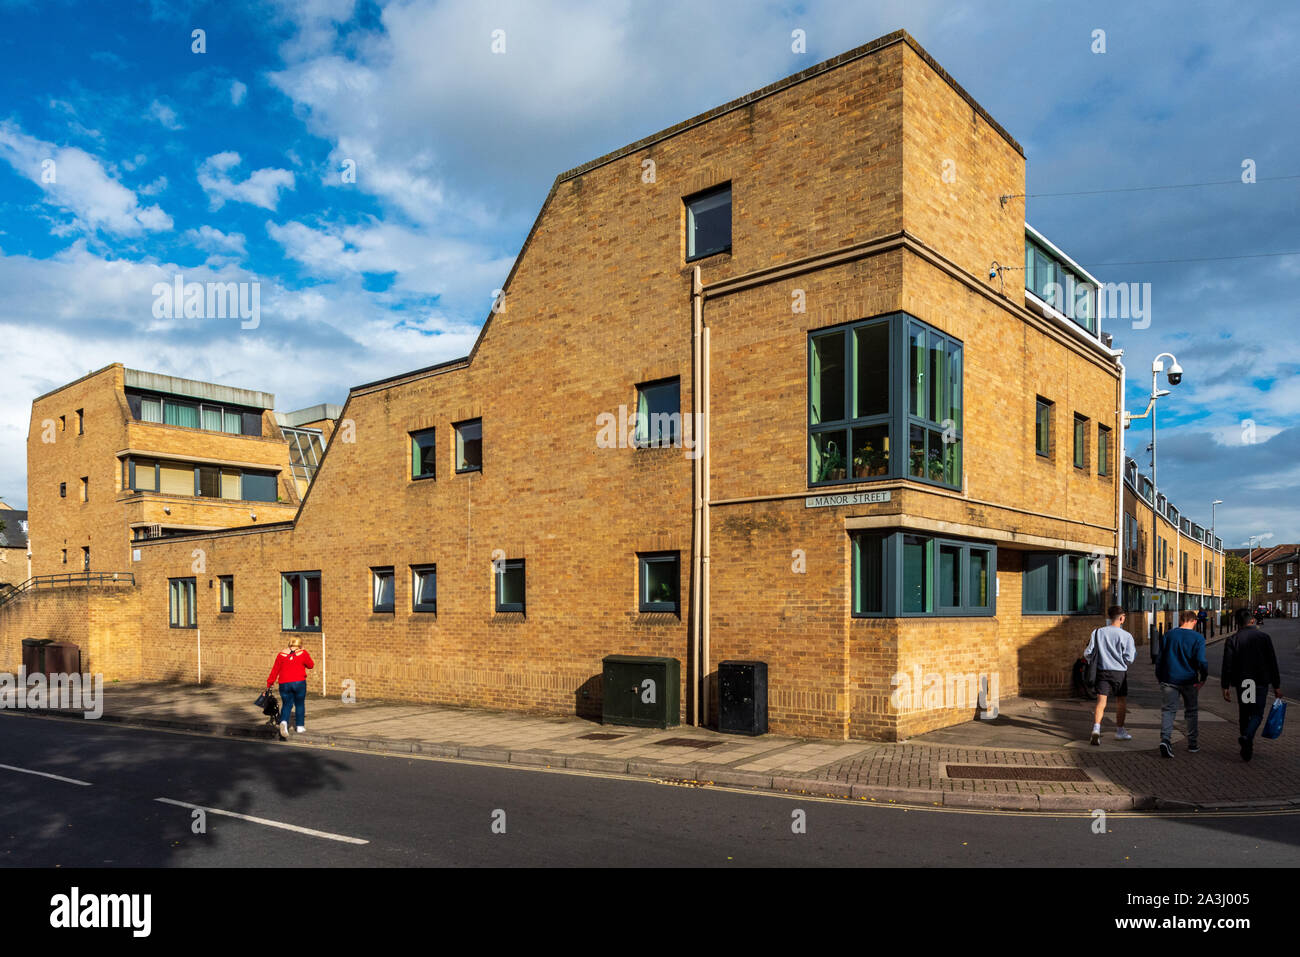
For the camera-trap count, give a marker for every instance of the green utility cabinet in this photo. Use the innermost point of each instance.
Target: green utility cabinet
(643, 692)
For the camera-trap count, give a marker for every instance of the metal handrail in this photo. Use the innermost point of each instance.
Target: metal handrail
(72, 578)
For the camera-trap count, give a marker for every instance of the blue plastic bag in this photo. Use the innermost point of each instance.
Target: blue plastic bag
(1276, 715)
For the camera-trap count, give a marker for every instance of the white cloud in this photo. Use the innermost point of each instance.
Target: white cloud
(261, 188)
(237, 92)
(165, 115)
(81, 186)
(154, 188)
(215, 241)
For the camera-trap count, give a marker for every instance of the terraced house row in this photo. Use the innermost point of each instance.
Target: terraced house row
(814, 394)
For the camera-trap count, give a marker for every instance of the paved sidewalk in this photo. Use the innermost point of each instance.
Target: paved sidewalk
(1036, 751)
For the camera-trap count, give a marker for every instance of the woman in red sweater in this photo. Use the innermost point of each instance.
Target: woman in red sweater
(291, 668)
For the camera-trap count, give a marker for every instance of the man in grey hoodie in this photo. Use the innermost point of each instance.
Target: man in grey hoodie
(1115, 651)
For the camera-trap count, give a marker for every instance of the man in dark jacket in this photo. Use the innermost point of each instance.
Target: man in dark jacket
(1250, 666)
(1181, 670)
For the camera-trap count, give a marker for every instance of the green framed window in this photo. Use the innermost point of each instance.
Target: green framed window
(1103, 450)
(424, 454)
(874, 381)
(901, 574)
(1061, 583)
(181, 604)
(424, 588)
(300, 601)
(659, 575)
(1080, 441)
(1043, 427)
(658, 415)
(510, 588)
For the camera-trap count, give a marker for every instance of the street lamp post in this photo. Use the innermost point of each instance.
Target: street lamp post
(1175, 376)
(1216, 592)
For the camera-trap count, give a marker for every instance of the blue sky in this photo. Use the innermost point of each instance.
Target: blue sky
(227, 164)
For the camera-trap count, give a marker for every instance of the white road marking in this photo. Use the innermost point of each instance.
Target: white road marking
(56, 777)
(269, 823)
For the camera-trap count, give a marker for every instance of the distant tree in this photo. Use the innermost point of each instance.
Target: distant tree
(1235, 576)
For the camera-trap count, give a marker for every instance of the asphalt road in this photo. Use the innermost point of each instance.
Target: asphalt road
(418, 812)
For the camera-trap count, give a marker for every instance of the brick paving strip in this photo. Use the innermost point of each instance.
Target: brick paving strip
(1049, 734)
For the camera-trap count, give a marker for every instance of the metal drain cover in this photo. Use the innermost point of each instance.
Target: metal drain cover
(600, 736)
(687, 743)
(1017, 772)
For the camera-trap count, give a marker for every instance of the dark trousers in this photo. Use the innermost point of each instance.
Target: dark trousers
(1251, 716)
(295, 700)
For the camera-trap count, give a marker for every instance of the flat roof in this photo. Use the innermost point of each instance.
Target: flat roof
(193, 389)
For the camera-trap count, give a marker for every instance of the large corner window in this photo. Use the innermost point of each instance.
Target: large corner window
(708, 223)
(1061, 583)
(423, 454)
(901, 574)
(469, 446)
(658, 415)
(181, 603)
(660, 577)
(300, 601)
(510, 584)
(874, 381)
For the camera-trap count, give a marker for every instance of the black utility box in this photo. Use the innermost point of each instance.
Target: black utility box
(742, 697)
(643, 692)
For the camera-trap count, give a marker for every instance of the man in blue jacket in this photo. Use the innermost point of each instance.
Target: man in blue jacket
(1181, 670)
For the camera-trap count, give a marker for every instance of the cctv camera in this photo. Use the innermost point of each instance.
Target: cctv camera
(1175, 374)
(993, 272)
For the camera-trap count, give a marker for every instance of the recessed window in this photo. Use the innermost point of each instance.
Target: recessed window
(65, 556)
(85, 488)
(424, 588)
(226, 590)
(510, 584)
(708, 223)
(382, 583)
(63, 490)
(659, 414)
(1080, 441)
(660, 582)
(63, 423)
(900, 574)
(1058, 583)
(469, 446)
(85, 558)
(300, 608)
(181, 605)
(81, 421)
(423, 454)
(1103, 450)
(1043, 427)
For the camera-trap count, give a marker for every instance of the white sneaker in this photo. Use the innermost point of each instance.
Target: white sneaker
(301, 729)
(1122, 735)
(284, 729)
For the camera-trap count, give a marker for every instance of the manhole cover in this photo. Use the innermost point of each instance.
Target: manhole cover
(1018, 772)
(600, 736)
(687, 743)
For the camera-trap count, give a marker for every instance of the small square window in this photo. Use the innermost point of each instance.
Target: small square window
(469, 446)
(423, 454)
(424, 588)
(708, 223)
(659, 415)
(660, 582)
(510, 584)
(383, 588)
(227, 592)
